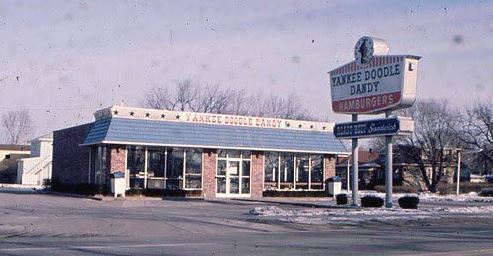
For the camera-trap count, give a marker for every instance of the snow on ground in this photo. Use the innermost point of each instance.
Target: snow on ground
(5, 186)
(360, 215)
(431, 197)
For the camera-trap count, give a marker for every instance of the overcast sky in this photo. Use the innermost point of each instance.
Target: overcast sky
(63, 60)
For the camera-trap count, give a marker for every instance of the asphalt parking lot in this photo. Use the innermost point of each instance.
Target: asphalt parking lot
(44, 224)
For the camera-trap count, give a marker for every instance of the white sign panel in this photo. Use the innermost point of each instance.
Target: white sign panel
(385, 82)
(374, 81)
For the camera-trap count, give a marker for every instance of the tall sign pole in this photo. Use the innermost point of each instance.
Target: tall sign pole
(388, 167)
(355, 178)
(374, 83)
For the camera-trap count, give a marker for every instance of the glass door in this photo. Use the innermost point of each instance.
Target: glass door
(233, 176)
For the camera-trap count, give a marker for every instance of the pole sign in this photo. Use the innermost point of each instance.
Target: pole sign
(374, 82)
(374, 128)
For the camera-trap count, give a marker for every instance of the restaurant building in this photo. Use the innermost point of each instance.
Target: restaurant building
(197, 154)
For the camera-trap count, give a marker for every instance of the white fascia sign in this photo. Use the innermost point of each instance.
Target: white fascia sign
(374, 82)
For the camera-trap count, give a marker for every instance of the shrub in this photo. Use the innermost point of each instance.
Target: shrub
(371, 201)
(341, 199)
(486, 192)
(408, 202)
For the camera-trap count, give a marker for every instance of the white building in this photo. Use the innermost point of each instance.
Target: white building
(37, 168)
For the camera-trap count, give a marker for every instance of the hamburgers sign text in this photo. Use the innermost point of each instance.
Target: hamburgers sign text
(371, 83)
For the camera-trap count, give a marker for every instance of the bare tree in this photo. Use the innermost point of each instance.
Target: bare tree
(159, 98)
(432, 136)
(17, 126)
(213, 98)
(289, 107)
(185, 95)
(476, 130)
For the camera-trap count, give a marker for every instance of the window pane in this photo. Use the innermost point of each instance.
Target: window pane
(221, 167)
(136, 160)
(136, 183)
(303, 171)
(155, 162)
(245, 185)
(246, 154)
(221, 185)
(194, 161)
(221, 153)
(245, 168)
(155, 183)
(193, 168)
(174, 169)
(317, 169)
(271, 170)
(193, 181)
(234, 186)
(94, 156)
(234, 154)
(100, 165)
(287, 171)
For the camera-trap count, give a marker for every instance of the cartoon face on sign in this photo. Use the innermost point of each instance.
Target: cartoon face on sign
(363, 51)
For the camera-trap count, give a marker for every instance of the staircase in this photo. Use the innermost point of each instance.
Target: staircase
(38, 172)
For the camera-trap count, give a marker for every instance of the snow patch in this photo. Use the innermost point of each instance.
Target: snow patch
(361, 215)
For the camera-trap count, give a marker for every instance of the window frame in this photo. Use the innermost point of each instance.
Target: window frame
(165, 179)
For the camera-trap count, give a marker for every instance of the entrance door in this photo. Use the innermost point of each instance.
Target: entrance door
(231, 179)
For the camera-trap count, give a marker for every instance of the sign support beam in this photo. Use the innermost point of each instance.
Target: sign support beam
(388, 167)
(354, 178)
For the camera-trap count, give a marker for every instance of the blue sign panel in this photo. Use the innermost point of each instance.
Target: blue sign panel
(367, 128)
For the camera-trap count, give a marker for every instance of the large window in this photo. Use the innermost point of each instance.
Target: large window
(303, 171)
(159, 167)
(98, 165)
(287, 171)
(136, 166)
(174, 168)
(193, 168)
(156, 161)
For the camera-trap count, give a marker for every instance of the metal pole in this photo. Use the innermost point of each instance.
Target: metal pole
(347, 174)
(388, 168)
(354, 178)
(458, 171)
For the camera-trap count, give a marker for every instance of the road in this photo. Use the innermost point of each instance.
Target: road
(43, 224)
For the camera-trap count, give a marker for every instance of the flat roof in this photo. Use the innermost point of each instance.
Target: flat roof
(14, 147)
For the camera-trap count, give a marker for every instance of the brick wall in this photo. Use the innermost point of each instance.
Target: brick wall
(70, 161)
(209, 173)
(330, 166)
(257, 175)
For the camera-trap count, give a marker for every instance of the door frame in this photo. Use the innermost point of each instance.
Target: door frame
(227, 177)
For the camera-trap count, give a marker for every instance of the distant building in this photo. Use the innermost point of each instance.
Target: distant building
(9, 154)
(8, 149)
(36, 169)
(406, 167)
(197, 154)
(368, 167)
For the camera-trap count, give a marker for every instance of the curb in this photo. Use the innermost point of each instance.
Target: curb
(297, 204)
(96, 198)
